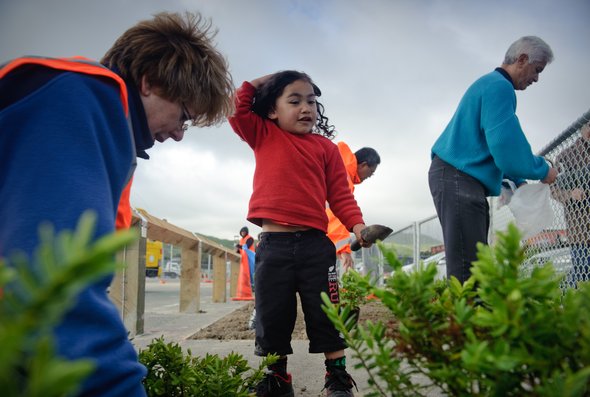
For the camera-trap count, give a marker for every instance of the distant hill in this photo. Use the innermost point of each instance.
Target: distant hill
(403, 244)
(226, 243)
(408, 239)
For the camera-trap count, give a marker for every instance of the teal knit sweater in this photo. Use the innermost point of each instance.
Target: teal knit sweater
(484, 138)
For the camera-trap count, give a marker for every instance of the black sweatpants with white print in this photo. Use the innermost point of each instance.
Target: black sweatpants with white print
(288, 263)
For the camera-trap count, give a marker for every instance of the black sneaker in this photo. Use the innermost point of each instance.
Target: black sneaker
(275, 385)
(339, 383)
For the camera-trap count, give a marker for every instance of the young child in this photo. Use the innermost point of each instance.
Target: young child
(298, 169)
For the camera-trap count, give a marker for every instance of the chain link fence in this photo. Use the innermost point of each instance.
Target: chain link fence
(565, 242)
(420, 241)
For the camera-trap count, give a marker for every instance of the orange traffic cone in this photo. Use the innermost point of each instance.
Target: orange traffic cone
(244, 288)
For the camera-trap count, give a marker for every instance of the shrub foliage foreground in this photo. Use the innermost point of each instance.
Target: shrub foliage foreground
(172, 372)
(35, 293)
(498, 334)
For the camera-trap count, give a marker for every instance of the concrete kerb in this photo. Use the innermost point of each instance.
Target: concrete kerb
(178, 327)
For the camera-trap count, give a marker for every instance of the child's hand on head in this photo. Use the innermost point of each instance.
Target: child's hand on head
(256, 83)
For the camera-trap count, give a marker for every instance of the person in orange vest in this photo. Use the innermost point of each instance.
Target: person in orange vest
(245, 247)
(360, 166)
(70, 132)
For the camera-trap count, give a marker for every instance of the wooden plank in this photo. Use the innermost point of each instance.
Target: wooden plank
(127, 289)
(219, 280)
(190, 281)
(233, 276)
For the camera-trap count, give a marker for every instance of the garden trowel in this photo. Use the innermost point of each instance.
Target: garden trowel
(371, 234)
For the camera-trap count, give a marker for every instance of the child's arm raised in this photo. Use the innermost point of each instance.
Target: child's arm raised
(244, 122)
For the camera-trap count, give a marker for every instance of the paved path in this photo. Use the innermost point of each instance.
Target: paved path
(164, 320)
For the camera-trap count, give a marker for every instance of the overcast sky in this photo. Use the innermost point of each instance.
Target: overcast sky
(391, 73)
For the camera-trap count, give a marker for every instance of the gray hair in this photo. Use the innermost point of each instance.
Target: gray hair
(533, 46)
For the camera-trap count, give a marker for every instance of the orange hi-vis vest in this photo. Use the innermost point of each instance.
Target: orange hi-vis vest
(245, 259)
(87, 66)
(243, 241)
(337, 232)
(245, 276)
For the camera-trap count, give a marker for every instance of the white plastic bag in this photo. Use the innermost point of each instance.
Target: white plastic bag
(531, 206)
(506, 193)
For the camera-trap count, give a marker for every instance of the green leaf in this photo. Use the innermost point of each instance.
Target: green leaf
(37, 292)
(498, 334)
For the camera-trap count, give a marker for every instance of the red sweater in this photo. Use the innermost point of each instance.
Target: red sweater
(295, 174)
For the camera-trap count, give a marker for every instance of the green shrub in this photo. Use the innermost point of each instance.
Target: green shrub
(351, 293)
(37, 292)
(171, 373)
(498, 334)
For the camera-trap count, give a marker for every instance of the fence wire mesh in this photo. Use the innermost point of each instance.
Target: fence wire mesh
(420, 241)
(565, 242)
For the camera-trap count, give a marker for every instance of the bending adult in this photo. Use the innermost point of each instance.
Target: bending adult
(70, 131)
(360, 166)
(482, 144)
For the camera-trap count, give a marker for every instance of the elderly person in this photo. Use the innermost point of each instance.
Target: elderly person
(70, 131)
(482, 144)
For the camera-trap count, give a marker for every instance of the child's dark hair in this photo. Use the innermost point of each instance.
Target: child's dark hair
(266, 97)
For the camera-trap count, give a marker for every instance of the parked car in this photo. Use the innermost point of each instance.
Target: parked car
(438, 259)
(560, 258)
(172, 270)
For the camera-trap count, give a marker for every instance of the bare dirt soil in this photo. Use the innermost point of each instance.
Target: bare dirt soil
(235, 325)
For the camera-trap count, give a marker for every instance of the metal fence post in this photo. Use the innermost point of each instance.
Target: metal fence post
(416, 243)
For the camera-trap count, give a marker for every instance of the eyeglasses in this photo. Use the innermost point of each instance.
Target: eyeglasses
(186, 119)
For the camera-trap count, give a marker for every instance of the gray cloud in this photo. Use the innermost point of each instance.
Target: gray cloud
(392, 73)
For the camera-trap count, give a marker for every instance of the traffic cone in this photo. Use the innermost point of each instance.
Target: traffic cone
(244, 288)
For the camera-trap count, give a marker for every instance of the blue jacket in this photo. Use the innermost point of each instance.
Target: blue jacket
(65, 147)
(484, 138)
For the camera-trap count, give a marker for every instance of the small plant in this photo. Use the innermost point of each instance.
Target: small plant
(498, 334)
(352, 294)
(35, 293)
(171, 373)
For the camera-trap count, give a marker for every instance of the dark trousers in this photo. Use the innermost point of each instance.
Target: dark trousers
(287, 264)
(463, 211)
